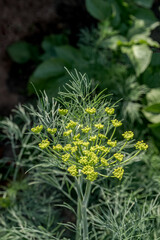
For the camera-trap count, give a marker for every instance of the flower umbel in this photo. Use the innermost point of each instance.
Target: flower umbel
(37, 129)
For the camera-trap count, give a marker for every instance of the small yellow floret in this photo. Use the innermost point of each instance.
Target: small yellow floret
(99, 126)
(62, 111)
(93, 138)
(112, 143)
(119, 156)
(128, 135)
(141, 145)
(73, 170)
(52, 130)
(66, 157)
(71, 124)
(67, 147)
(58, 147)
(101, 136)
(37, 129)
(118, 173)
(110, 111)
(83, 160)
(104, 162)
(116, 123)
(76, 137)
(67, 133)
(86, 129)
(92, 176)
(74, 149)
(44, 144)
(90, 110)
(88, 169)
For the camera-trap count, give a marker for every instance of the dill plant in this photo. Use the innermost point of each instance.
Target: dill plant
(79, 136)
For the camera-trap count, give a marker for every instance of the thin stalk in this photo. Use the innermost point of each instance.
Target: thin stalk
(82, 204)
(84, 210)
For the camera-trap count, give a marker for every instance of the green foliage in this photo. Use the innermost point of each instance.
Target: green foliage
(21, 52)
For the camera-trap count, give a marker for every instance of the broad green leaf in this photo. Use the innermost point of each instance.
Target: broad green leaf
(153, 97)
(68, 53)
(46, 73)
(144, 3)
(115, 41)
(155, 108)
(99, 9)
(51, 41)
(151, 117)
(155, 127)
(140, 57)
(20, 52)
(155, 59)
(151, 78)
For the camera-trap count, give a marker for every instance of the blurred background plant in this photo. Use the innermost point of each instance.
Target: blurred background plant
(118, 51)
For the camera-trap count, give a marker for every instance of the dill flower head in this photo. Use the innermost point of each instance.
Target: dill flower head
(101, 135)
(112, 143)
(52, 130)
(104, 162)
(92, 176)
(86, 129)
(67, 133)
(63, 111)
(86, 145)
(73, 170)
(141, 145)
(44, 144)
(71, 124)
(110, 111)
(118, 173)
(128, 135)
(116, 123)
(37, 129)
(119, 156)
(90, 110)
(66, 157)
(99, 126)
(93, 138)
(58, 147)
(67, 147)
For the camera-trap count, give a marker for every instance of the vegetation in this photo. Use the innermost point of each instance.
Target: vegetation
(41, 173)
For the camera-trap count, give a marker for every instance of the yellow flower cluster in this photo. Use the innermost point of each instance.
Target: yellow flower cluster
(84, 153)
(66, 157)
(52, 130)
(62, 111)
(37, 129)
(93, 138)
(141, 145)
(58, 147)
(119, 156)
(99, 126)
(89, 171)
(101, 136)
(104, 162)
(118, 172)
(128, 135)
(86, 129)
(110, 111)
(71, 124)
(90, 110)
(116, 123)
(73, 170)
(112, 143)
(44, 144)
(67, 133)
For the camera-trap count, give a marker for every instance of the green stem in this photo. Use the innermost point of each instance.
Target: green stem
(84, 210)
(82, 204)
